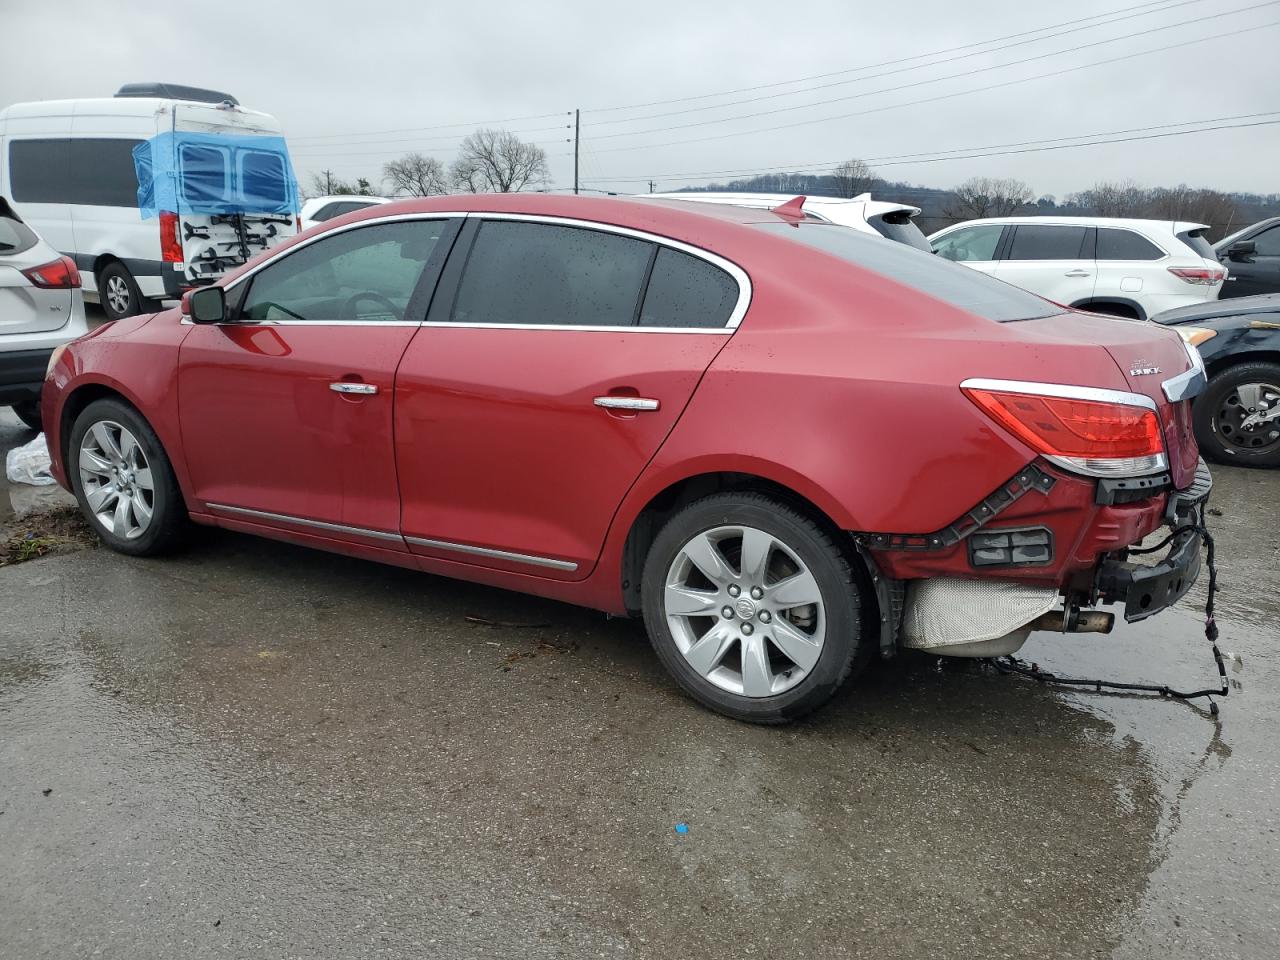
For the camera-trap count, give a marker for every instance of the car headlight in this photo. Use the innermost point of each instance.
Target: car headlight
(1194, 336)
(53, 359)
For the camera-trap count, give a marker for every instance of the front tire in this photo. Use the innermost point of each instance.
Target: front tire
(28, 411)
(1223, 415)
(123, 480)
(753, 609)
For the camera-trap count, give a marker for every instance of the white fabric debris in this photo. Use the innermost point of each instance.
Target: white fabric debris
(29, 463)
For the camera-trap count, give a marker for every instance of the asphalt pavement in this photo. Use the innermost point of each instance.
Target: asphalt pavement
(251, 749)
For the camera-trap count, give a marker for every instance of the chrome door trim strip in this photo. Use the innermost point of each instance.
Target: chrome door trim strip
(717, 331)
(490, 552)
(304, 522)
(1066, 391)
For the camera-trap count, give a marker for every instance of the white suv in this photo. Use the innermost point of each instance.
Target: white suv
(1127, 268)
(40, 309)
(882, 217)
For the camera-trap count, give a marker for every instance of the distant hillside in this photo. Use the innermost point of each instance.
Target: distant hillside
(934, 202)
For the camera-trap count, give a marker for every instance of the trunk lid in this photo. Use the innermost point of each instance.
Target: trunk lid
(1145, 356)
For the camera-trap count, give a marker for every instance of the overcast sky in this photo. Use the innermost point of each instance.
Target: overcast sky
(358, 83)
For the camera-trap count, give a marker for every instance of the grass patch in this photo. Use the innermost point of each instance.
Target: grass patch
(60, 530)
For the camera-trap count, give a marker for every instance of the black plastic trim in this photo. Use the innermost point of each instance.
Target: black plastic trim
(1113, 490)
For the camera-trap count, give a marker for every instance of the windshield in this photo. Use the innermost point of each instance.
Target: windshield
(958, 285)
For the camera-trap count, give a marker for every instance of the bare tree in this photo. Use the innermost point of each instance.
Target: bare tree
(1197, 204)
(1113, 199)
(325, 184)
(988, 197)
(415, 175)
(497, 161)
(853, 177)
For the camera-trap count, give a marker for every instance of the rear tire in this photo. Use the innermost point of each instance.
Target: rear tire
(774, 628)
(123, 480)
(118, 292)
(28, 411)
(1220, 414)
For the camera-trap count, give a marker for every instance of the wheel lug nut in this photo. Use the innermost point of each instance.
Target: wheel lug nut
(764, 616)
(727, 613)
(748, 629)
(734, 590)
(757, 593)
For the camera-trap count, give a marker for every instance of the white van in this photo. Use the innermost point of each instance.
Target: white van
(68, 167)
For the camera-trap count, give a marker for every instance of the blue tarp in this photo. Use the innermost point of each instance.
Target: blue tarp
(214, 173)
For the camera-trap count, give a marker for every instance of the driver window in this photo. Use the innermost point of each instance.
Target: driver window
(363, 275)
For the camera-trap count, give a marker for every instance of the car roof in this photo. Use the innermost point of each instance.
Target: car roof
(768, 200)
(1131, 223)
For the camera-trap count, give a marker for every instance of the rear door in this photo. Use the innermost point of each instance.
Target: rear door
(551, 369)
(1123, 260)
(286, 411)
(1258, 272)
(1051, 260)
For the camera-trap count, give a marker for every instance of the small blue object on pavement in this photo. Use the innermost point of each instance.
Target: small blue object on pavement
(682, 828)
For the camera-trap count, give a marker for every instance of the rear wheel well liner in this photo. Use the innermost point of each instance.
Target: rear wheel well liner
(1131, 306)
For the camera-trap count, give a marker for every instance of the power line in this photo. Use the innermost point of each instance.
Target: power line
(946, 96)
(920, 83)
(308, 147)
(320, 157)
(935, 63)
(442, 126)
(936, 154)
(1065, 146)
(884, 63)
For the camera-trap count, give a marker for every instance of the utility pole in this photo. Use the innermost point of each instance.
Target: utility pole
(328, 182)
(577, 117)
(651, 186)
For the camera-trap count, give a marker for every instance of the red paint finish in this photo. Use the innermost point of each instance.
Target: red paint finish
(263, 430)
(500, 444)
(840, 384)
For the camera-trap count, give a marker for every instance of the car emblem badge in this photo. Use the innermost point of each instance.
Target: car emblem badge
(1141, 368)
(746, 608)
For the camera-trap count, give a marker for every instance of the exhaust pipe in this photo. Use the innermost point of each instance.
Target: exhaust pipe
(1073, 620)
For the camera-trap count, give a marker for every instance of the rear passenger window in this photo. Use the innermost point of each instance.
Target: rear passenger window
(539, 273)
(204, 174)
(1044, 242)
(687, 291)
(1116, 244)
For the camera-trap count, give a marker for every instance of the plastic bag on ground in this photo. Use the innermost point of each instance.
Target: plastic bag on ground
(29, 463)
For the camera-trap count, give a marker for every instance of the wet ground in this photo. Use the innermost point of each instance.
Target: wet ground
(252, 749)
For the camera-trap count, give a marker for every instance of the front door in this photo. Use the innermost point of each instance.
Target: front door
(1257, 272)
(286, 410)
(549, 374)
(1051, 261)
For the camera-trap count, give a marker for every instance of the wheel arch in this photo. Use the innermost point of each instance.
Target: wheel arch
(1225, 362)
(662, 504)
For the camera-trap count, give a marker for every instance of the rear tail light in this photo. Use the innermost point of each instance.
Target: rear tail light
(170, 245)
(60, 274)
(1205, 275)
(1101, 433)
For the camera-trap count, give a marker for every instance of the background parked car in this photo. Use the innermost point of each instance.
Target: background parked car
(319, 209)
(893, 220)
(1127, 268)
(1237, 418)
(1252, 259)
(40, 309)
(68, 167)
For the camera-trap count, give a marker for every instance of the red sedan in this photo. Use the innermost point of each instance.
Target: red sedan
(790, 447)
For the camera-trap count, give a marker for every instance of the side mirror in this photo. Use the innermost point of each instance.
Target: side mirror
(1241, 249)
(205, 305)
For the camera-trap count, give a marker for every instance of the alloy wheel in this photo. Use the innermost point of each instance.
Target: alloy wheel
(745, 611)
(1247, 419)
(118, 294)
(116, 479)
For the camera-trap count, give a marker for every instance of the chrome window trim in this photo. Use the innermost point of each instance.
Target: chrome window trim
(491, 552)
(304, 522)
(1064, 390)
(735, 316)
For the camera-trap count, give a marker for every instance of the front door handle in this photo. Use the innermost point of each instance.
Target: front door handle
(1076, 273)
(364, 389)
(626, 403)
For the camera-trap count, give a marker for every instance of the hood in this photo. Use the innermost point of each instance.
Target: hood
(1217, 309)
(1145, 356)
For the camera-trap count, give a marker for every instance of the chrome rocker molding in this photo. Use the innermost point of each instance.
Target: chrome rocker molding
(397, 538)
(490, 552)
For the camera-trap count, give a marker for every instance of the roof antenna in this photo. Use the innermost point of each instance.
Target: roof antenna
(793, 209)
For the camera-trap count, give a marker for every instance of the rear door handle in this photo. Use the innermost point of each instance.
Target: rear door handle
(1077, 273)
(626, 403)
(364, 389)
